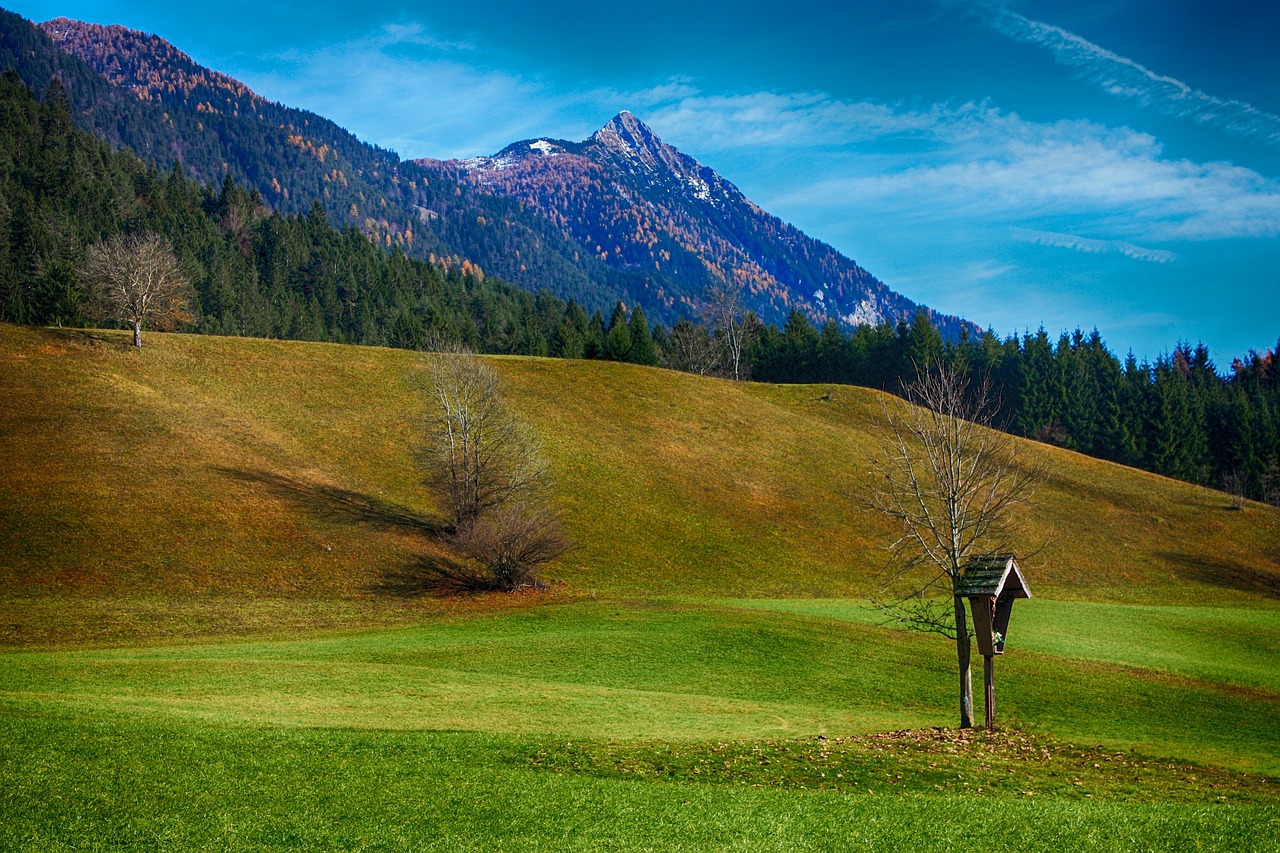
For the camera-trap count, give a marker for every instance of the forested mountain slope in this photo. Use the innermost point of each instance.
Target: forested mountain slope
(678, 227)
(137, 90)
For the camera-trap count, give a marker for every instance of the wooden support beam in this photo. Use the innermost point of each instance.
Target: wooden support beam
(988, 676)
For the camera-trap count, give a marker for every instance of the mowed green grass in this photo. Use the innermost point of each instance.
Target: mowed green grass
(1232, 645)
(106, 787)
(615, 725)
(653, 671)
(215, 635)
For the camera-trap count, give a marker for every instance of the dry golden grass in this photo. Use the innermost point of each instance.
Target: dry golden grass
(230, 471)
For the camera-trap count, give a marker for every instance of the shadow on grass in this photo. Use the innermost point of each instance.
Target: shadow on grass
(1226, 573)
(425, 576)
(333, 503)
(433, 577)
(92, 337)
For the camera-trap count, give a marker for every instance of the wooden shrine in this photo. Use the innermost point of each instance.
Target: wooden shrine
(991, 582)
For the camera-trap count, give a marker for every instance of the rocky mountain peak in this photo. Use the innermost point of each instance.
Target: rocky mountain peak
(631, 139)
(633, 146)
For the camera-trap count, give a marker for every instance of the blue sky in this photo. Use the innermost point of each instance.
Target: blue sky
(1072, 164)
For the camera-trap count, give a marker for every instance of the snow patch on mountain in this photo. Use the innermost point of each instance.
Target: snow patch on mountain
(865, 313)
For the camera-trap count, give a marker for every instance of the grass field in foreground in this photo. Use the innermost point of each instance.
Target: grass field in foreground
(624, 725)
(97, 784)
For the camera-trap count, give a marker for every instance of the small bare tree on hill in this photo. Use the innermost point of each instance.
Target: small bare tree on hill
(726, 316)
(487, 469)
(135, 279)
(955, 486)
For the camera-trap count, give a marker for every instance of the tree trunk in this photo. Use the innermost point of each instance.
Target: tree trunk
(962, 658)
(137, 334)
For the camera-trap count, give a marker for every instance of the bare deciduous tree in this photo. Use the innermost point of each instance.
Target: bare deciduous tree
(1234, 484)
(726, 316)
(955, 486)
(692, 348)
(135, 279)
(486, 467)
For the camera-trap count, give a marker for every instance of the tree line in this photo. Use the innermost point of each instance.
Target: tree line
(1179, 416)
(256, 272)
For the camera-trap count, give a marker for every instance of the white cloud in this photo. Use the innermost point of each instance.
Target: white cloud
(416, 34)
(437, 99)
(996, 167)
(1123, 77)
(1091, 246)
(721, 122)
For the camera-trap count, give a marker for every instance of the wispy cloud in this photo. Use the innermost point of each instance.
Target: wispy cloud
(1123, 77)
(1091, 246)
(803, 119)
(425, 104)
(975, 161)
(416, 34)
(427, 97)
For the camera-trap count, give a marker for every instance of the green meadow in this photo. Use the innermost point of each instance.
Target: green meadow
(218, 630)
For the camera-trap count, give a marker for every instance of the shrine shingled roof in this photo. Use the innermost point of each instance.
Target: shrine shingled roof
(994, 575)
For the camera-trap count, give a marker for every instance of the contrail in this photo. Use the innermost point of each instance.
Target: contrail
(1120, 76)
(1097, 247)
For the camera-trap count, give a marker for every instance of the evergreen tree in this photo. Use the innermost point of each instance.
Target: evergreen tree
(923, 347)
(643, 350)
(799, 348)
(1039, 391)
(618, 339)
(593, 344)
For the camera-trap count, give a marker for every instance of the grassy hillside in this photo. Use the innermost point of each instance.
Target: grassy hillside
(217, 634)
(202, 469)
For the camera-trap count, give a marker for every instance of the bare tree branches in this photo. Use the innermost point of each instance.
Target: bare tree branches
(955, 487)
(512, 540)
(725, 315)
(691, 348)
(952, 481)
(487, 469)
(135, 279)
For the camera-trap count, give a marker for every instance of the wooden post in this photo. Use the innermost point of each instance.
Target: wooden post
(988, 674)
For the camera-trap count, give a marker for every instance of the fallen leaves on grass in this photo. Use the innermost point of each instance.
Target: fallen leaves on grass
(970, 762)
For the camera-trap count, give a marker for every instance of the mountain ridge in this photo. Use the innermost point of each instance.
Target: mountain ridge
(642, 205)
(135, 90)
(664, 230)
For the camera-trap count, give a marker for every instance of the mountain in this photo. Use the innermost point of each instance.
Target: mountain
(622, 216)
(646, 208)
(136, 90)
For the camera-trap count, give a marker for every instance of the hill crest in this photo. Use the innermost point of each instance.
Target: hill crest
(672, 484)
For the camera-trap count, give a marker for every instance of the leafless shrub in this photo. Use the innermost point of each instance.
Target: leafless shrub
(1234, 483)
(487, 469)
(693, 349)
